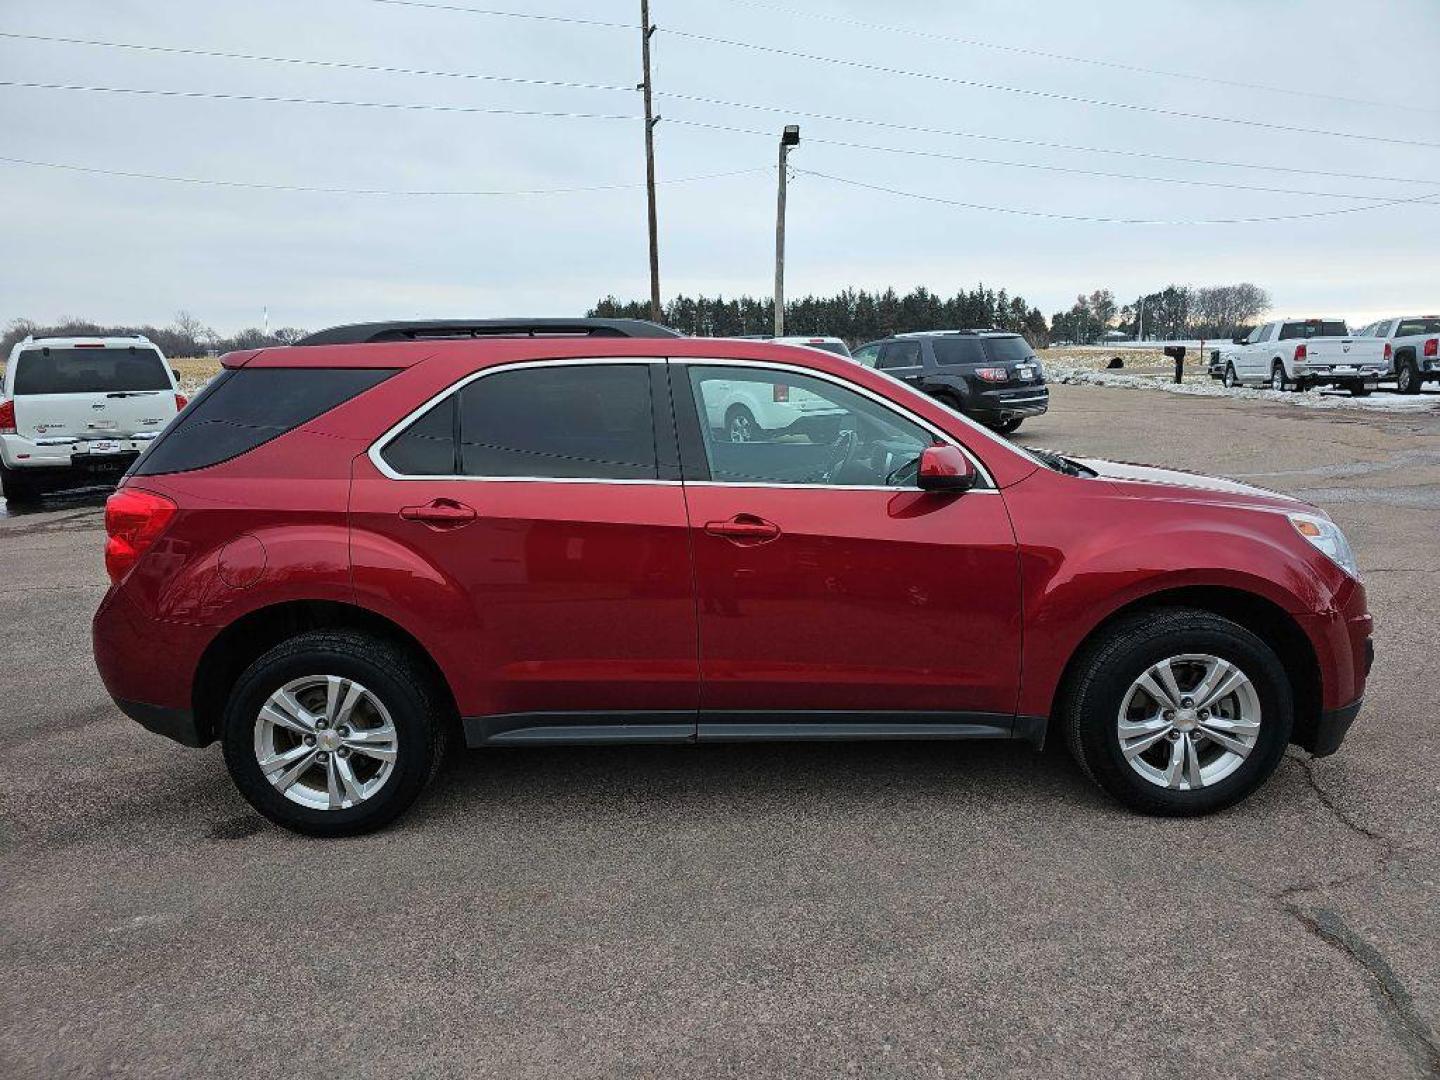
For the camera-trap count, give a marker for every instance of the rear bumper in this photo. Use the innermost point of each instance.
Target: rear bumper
(177, 724)
(1007, 404)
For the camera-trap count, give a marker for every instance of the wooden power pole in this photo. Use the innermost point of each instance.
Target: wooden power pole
(646, 31)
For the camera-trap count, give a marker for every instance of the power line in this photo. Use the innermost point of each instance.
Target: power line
(1049, 95)
(258, 186)
(1106, 220)
(1072, 59)
(338, 65)
(275, 99)
(861, 65)
(505, 14)
(387, 69)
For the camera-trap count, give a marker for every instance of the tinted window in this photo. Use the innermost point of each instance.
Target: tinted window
(1312, 328)
(958, 350)
(240, 410)
(1004, 350)
(1418, 326)
(89, 371)
(867, 355)
(584, 421)
(427, 447)
(836, 347)
(801, 430)
(899, 354)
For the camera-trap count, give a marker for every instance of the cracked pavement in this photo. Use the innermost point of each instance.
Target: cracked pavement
(873, 910)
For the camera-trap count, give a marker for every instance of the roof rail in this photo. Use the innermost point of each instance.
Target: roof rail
(440, 329)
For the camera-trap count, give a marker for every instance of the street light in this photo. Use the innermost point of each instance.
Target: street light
(788, 138)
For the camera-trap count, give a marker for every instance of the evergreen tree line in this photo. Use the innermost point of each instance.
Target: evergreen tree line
(856, 315)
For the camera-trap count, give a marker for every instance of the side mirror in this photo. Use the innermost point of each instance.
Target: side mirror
(1240, 340)
(945, 468)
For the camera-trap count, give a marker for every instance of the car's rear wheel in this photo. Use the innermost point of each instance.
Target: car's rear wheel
(1358, 389)
(17, 489)
(1278, 379)
(1230, 380)
(740, 425)
(1005, 427)
(1178, 712)
(333, 733)
(1407, 377)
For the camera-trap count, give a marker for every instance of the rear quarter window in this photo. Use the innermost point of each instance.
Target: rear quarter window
(242, 409)
(1003, 350)
(89, 371)
(957, 350)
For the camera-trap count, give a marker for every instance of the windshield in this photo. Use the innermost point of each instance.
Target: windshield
(1002, 350)
(89, 371)
(1312, 328)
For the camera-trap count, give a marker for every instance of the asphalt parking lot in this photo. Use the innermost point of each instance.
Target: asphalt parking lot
(877, 910)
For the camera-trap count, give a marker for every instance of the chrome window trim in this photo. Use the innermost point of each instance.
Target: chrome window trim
(377, 448)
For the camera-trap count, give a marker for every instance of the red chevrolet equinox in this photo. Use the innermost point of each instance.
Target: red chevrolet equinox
(347, 551)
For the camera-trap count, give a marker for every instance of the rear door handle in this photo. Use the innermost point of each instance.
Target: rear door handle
(440, 514)
(744, 529)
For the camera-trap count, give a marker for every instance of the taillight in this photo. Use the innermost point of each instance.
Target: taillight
(1389, 352)
(7, 418)
(1430, 349)
(134, 520)
(992, 374)
(181, 401)
(1300, 352)
(779, 392)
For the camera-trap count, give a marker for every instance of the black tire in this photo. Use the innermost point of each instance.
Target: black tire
(400, 683)
(1278, 379)
(1109, 664)
(1407, 376)
(1005, 427)
(1230, 380)
(1360, 390)
(16, 489)
(739, 418)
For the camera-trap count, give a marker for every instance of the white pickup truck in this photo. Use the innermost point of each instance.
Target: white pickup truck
(1295, 354)
(1407, 347)
(78, 411)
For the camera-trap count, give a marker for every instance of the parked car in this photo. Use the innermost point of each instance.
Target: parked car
(1296, 354)
(1408, 349)
(351, 550)
(824, 344)
(77, 411)
(992, 376)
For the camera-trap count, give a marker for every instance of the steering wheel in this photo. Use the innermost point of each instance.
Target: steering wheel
(845, 444)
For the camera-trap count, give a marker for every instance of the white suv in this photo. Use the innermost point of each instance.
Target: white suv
(78, 411)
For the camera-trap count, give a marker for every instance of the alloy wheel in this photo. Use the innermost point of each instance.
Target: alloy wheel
(325, 742)
(742, 428)
(1189, 721)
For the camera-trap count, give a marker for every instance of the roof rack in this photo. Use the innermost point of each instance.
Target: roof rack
(441, 329)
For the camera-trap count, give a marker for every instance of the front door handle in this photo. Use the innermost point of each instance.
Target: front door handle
(744, 529)
(440, 514)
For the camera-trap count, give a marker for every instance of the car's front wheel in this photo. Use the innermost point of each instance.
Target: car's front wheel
(1178, 711)
(333, 733)
(1230, 380)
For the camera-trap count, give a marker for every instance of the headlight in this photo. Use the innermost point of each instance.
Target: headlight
(1326, 535)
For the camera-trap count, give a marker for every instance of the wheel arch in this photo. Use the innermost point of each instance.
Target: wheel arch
(246, 639)
(1258, 614)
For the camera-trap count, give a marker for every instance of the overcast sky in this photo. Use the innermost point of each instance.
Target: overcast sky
(134, 250)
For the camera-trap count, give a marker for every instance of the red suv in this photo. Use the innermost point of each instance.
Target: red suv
(345, 551)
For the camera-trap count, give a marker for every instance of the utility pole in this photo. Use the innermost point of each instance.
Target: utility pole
(788, 138)
(646, 31)
(1140, 327)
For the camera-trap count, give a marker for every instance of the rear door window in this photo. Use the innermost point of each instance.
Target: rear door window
(245, 408)
(958, 350)
(560, 422)
(899, 354)
(49, 370)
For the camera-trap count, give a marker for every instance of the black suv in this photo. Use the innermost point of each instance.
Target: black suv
(989, 375)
